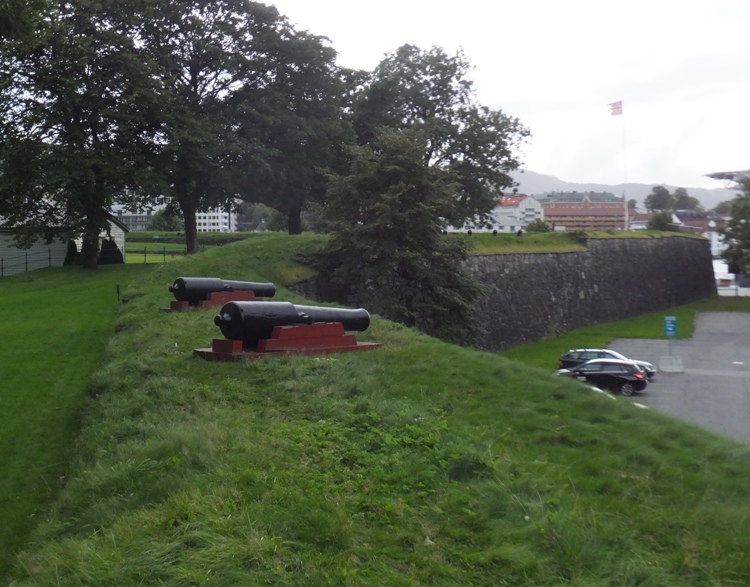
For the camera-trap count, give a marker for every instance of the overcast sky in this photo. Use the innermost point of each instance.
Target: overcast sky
(681, 68)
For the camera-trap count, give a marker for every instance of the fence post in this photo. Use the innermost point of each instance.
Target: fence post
(2, 269)
(164, 259)
(49, 256)
(27, 262)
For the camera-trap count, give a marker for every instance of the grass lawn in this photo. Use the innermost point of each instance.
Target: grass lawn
(416, 464)
(55, 326)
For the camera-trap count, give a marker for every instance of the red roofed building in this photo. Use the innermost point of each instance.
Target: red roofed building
(586, 215)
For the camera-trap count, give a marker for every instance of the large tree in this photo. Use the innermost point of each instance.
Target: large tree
(428, 156)
(386, 250)
(205, 54)
(430, 91)
(659, 199)
(684, 201)
(250, 106)
(72, 124)
(662, 220)
(297, 119)
(736, 233)
(723, 208)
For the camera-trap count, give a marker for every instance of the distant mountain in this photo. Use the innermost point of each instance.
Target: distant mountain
(531, 183)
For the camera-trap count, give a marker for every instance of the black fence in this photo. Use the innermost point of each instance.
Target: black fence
(28, 261)
(152, 255)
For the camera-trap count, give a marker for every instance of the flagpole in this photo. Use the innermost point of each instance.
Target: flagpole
(615, 109)
(624, 170)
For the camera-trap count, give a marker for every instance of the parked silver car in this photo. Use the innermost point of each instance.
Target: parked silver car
(575, 357)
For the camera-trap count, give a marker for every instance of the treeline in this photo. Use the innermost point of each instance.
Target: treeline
(200, 104)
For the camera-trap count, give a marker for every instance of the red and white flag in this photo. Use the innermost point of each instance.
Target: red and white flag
(615, 108)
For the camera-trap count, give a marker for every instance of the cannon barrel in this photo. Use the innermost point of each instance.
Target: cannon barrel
(197, 289)
(253, 321)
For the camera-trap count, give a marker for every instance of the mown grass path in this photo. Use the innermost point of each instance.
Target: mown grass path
(55, 324)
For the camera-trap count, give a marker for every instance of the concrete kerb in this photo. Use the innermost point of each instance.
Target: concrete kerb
(671, 365)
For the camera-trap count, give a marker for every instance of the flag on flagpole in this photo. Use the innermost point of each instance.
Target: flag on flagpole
(615, 108)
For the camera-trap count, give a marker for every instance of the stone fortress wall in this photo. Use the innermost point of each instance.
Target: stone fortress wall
(537, 295)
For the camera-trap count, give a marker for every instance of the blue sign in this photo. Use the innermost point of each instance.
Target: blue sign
(670, 325)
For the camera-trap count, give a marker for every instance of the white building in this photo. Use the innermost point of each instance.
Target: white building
(41, 254)
(511, 214)
(14, 260)
(514, 212)
(216, 220)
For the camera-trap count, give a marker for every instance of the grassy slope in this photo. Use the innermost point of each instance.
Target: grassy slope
(419, 463)
(54, 323)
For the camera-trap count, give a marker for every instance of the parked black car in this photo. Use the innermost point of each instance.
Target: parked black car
(613, 374)
(579, 356)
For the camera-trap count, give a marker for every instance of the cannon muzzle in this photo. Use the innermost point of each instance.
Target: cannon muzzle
(254, 321)
(197, 289)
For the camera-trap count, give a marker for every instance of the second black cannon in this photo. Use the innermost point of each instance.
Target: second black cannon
(198, 289)
(251, 322)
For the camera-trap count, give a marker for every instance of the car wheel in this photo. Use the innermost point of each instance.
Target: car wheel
(627, 389)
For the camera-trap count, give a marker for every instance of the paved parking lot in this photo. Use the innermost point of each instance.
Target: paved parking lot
(713, 387)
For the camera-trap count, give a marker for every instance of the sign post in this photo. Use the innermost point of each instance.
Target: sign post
(670, 329)
(670, 326)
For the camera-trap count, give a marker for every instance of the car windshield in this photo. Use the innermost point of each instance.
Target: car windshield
(617, 355)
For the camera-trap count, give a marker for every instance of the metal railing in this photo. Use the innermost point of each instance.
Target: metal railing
(152, 255)
(29, 261)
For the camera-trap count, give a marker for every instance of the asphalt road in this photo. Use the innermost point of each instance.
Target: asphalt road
(707, 378)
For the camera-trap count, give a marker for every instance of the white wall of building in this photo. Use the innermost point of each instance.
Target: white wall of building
(216, 221)
(513, 218)
(14, 260)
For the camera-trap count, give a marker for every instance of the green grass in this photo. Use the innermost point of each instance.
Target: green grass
(153, 252)
(538, 242)
(419, 463)
(55, 323)
(481, 243)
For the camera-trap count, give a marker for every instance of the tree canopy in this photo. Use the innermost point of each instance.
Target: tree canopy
(660, 198)
(662, 220)
(736, 233)
(195, 101)
(684, 201)
(723, 208)
(428, 156)
(386, 249)
(166, 221)
(202, 102)
(296, 119)
(430, 91)
(538, 225)
(206, 56)
(71, 130)
(19, 18)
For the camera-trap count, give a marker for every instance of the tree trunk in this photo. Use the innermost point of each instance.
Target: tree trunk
(191, 228)
(90, 250)
(294, 219)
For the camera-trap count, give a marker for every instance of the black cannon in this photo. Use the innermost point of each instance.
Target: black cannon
(197, 289)
(254, 321)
